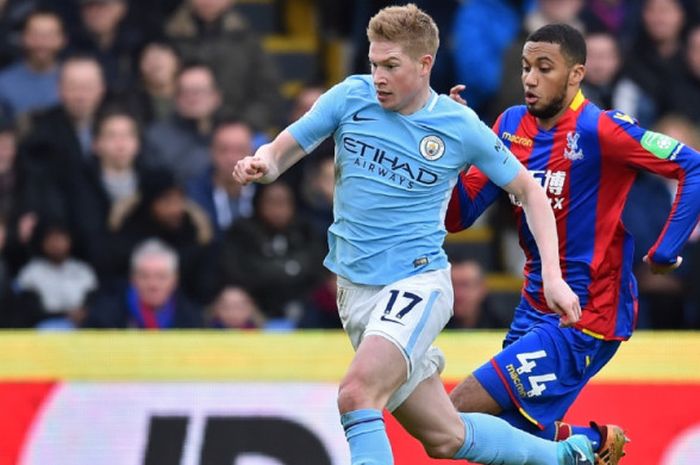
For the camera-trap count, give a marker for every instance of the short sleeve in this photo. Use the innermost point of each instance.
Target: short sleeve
(322, 119)
(488, 153)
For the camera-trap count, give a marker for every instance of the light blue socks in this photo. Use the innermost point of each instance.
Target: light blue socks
(366, 435)
(491, 440)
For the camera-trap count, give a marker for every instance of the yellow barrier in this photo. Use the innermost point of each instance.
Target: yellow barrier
(309, 356)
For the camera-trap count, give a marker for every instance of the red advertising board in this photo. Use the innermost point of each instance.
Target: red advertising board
(663, 420)
(192, 398)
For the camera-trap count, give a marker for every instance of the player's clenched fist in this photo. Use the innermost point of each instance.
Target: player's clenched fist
(562, 300)
(249, 169)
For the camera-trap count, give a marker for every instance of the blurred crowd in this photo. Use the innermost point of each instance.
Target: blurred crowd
(121, 121)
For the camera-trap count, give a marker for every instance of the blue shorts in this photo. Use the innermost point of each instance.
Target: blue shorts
(542, 367)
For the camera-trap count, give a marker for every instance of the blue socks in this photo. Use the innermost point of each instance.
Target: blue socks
(366, 435)
(591, 433)
(490, 439)
(516, 419)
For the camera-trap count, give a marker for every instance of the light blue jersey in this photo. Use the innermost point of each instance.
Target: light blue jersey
(394, 177)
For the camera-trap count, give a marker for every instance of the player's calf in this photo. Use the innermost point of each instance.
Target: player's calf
(576, 450)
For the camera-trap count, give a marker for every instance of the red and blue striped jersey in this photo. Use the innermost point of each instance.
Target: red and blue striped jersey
(587, 164)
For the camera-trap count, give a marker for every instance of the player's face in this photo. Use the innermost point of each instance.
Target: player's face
(400, 80)
(545, 77)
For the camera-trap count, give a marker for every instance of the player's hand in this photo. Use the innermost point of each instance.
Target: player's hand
(249, 169)
(455, 91)
(658, 268)
(563, 301)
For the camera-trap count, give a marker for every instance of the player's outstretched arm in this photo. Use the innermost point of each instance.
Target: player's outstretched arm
(269, 161)
(559, 296)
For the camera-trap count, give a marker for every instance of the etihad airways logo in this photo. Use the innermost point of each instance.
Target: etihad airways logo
(394, 168)
(515, 139)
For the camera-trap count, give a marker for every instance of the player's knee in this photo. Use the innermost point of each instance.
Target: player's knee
(353, 394)
(456, 398)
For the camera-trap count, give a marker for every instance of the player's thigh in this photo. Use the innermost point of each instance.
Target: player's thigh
(541, 373)
(470, 396)
(376, 371)
(412, 312)
(429, 416)
(409, 313)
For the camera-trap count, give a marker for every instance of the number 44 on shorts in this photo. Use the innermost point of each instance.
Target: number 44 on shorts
(527, 363)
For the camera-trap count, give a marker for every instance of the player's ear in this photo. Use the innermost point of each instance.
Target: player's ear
(426, 62)
(576, 74)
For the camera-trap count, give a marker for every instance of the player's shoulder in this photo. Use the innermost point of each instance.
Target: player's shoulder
(609, 124)
(447, 107)
(357, 84)
(516, 112)
(619, 118)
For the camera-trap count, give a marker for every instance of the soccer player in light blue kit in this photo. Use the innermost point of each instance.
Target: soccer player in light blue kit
(399, 149)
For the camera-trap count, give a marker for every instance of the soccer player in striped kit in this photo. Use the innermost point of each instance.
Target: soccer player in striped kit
(586, 160)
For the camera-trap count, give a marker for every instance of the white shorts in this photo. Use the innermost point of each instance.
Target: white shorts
(410, 313)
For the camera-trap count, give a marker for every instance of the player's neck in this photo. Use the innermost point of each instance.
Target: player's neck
(549, 123)
(418, 103)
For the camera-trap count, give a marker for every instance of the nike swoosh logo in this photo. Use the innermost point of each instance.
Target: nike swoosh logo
(581, 459)
(384, 318)
(357, 117)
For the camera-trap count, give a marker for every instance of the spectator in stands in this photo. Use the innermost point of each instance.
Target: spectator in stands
(274, 255)
(479, 45)
(58, 147)
(22, 202)
(154, 96)
(618, 18)
(544, 12)
(163, 211)
(685, 91)
(211, 31)
(303, 101)
(181, 142)
(32, 82)
(111, 176)
(471, 308)
(321, 309)
(214, 189)
(317, 192)
(656, 57)
(604, 84)
(234, 308)
(152, 300)
(107, 35)
(62, 283)
(17, 309)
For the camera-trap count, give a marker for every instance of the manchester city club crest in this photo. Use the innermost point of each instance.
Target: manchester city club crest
(432, 147)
